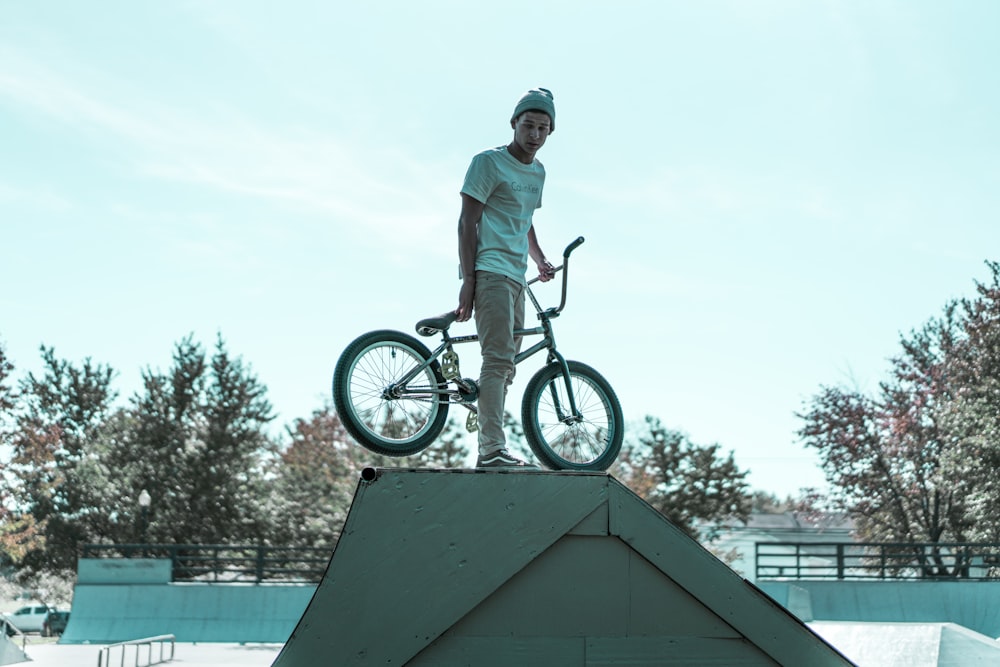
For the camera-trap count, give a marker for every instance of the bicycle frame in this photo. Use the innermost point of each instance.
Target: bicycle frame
(463, 389)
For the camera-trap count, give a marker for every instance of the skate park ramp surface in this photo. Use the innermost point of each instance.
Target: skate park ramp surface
(192, 613)
(118, 600)
(969, 604)
(185, 655)
(532, 568)
(909, 644)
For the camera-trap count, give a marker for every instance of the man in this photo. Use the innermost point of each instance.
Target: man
(502, 189)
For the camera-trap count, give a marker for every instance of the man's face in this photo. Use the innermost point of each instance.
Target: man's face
(531, 129)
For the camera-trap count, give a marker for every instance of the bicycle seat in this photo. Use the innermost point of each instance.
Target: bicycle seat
(432, 325)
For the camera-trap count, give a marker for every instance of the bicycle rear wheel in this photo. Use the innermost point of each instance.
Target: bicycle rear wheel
(589, 440)
(383, 414)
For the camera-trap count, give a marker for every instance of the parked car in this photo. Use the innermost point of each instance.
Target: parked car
(28, 619)
(55, 623)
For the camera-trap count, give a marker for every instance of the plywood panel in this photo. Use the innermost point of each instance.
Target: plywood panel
(592, 586)
(596, 523)
(658, 606)
(578, 587)
(503, 652)
(677, 651)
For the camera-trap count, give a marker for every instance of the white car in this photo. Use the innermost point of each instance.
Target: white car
(28, 619)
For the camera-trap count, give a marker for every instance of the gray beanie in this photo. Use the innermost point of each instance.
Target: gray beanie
(537, 99)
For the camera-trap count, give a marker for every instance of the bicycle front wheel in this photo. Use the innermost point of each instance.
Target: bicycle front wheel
(588, 439)
(384, 411)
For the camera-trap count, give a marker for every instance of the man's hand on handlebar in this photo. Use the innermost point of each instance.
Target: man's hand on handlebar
(546, 271)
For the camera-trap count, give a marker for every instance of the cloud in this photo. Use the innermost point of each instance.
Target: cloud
(369, 192)
(39, 197)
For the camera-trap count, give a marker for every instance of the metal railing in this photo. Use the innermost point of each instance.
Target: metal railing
(104, 657)
(220, 563)
(974, 561)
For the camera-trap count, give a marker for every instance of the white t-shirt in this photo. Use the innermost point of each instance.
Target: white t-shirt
(510, 192)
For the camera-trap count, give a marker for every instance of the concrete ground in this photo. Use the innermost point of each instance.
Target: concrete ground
(49, 654)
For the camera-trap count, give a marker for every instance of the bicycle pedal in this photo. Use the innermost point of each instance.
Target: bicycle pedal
(449, 365)
(472, 422)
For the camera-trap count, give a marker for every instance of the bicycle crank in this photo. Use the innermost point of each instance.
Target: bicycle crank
(468, 390)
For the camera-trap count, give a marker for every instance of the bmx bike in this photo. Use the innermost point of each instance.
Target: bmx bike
(392, 393)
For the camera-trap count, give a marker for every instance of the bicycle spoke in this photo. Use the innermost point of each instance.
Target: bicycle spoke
(371, 381)
(579, 438)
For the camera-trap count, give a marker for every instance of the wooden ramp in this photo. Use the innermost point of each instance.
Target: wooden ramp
(474, 567)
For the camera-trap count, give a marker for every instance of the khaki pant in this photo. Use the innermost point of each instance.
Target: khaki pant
(499, 308)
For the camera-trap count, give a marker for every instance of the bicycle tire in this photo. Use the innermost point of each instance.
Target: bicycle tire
(591, 443)
(366, 371)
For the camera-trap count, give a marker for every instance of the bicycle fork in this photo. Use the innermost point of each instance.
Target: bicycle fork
(574, 416)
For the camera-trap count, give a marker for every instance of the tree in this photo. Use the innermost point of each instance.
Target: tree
(689, 484)
(19, 533)
(885, 457)
(223, 467)
(765, 502)
(449, 451)
(195, 439)
(916, 462)
(7, 393)
(313, 482)
(51, 466)
(972, 421)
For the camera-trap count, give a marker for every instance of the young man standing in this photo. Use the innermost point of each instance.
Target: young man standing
(502, 189)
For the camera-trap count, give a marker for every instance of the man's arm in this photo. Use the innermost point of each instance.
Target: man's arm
(545, 268)
(468, 237)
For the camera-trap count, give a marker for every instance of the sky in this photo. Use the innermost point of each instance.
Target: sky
(772, 192)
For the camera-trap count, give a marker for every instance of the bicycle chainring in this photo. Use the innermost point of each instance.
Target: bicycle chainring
(469, 396)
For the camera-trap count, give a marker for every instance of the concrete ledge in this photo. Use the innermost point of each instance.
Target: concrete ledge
(123, 571)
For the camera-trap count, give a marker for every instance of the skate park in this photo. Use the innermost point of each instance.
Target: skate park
(570, 568)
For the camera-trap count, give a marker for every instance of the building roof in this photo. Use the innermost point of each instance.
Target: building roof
(794, 522)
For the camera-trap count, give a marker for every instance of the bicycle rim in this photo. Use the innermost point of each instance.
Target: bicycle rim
(589, 441)
(387, 422)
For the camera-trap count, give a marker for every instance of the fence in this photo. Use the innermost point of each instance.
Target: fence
(226, 563)
(877, 560)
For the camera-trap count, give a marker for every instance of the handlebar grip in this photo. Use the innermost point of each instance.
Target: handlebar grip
(573, 246)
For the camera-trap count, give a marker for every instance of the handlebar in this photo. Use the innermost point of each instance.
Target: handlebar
(573, 246)
(566, 253)
(564, 267)
(432, 325)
